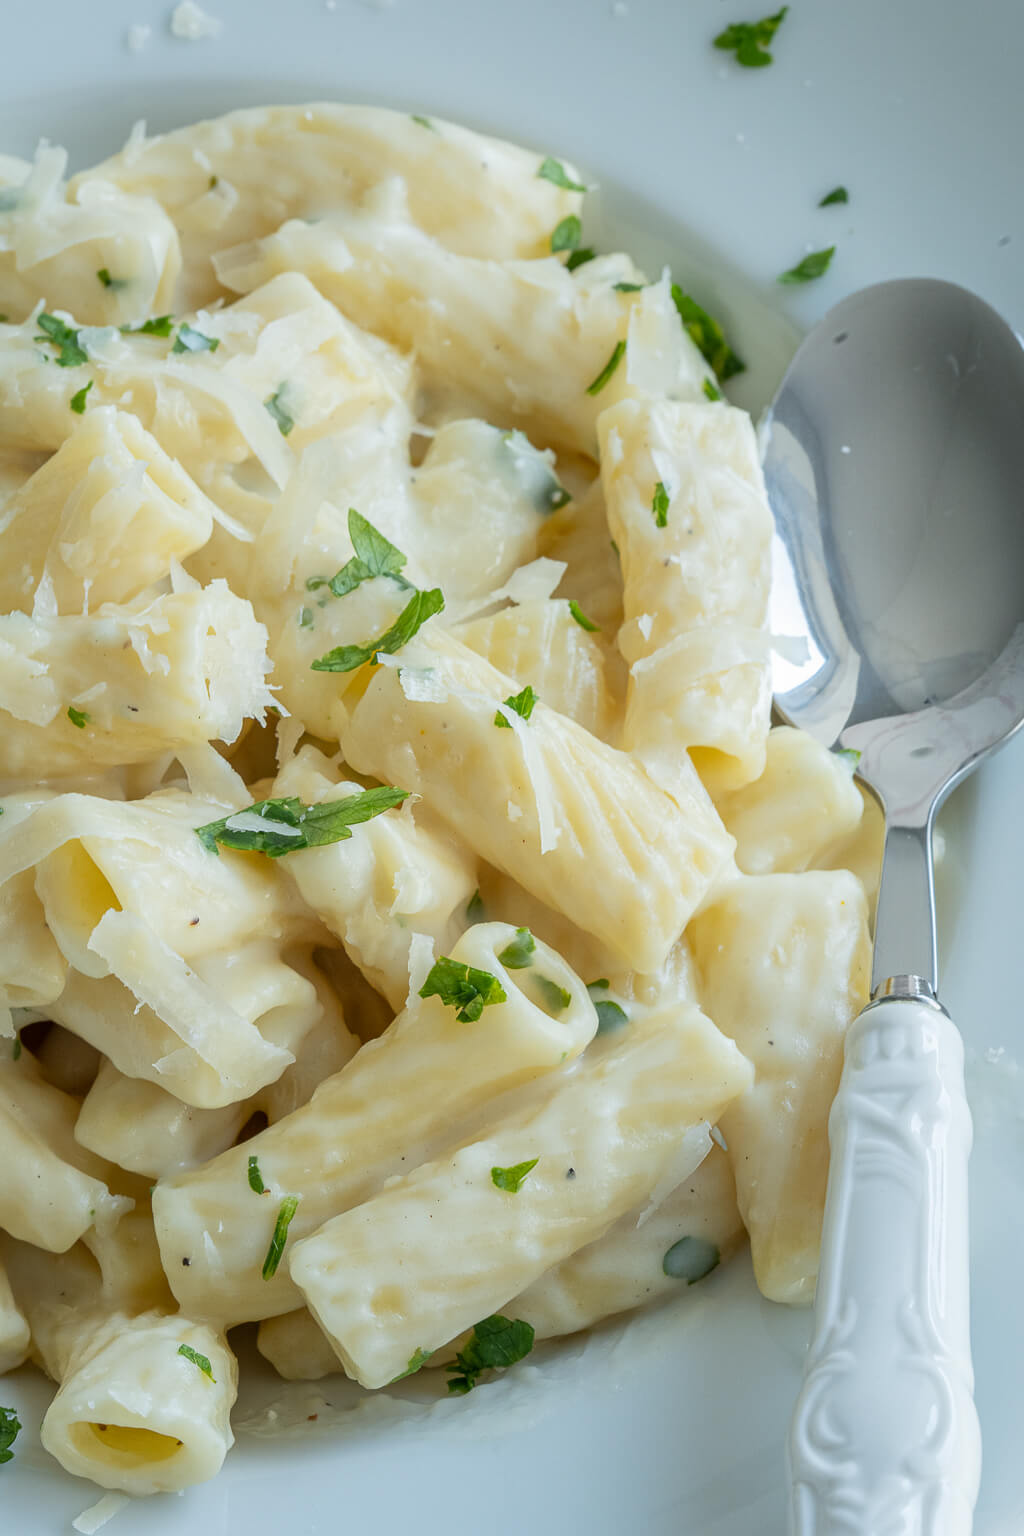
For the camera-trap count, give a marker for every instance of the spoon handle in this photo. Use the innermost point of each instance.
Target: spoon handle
(885, 1438)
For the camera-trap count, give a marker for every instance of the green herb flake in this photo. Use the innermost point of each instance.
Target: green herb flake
(749, 40)
(814, 265)
(535, 475)
(581, 618)
(159, 325)
(618, 353)
(78, 717)
(554, 998)
(78, 399)
(214, 181)
(475, 910)
(420, 607)
(189, 339)
(580, 257)
(10, 1425)
(278, 412)
(628, 287)
(70, 352)
(463, 987)
(202, 1361)
(555, 172)
(837, 195)
(374, 556)
(691, 1259)
(424, 122)
(522, 703)
(511, 1179)
(417, 1360)
(111, 282)
(610, 1016)
(848, 755)
(495, 1343)
(711, 391)
(289, 1205)
(518, 954)
(659, 505)
(4, 319)
(308, 826)
(256, 1183)
(16, 1048)
(305, 618)
(566, 235)
(707, 336)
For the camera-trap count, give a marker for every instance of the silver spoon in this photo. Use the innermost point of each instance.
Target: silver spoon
(895, 469)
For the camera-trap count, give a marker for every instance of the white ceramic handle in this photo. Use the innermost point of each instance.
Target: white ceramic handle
(885, 1438)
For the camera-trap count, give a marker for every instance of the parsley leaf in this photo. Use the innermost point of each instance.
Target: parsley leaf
(463, 987)
(202, 1361)
(610, 1016)
(749, 39)
(522, 703)
(256, 1183)
(305, 618)
(627, 287)
(580, 258)
(659, 505)
(849, 755)
(511, 1179)
(78, 399)
(691, 1259)
(16, 1048)
(10, 1425)
(555, 172)
(289, 1205)
(308, 826)
(711, 391)
(566, 235)
(518, 954)
(160, 325)
(707, 335)
(475, 912)
(424, 122)
(618, 353)
(837, 195)
(419, 1357)
(277, 410)
(69, 348)
(78, 717)
(112, 282)
(420, 607)
(495, 1343)
(553, 997)
(812, 266)
(374, 556)
(189, 339)
(581, 618)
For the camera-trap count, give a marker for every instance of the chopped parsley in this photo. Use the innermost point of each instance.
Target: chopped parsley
(16, 1048)
(566, 235)
(302, 826)
(305, 618)
(420, 607)
(814, 265)
(289, 1205)
(579, 258)
(495, 1343)
(849, 755)
(463, 987)
(78, 399)
(285, 422)
(707, 335)
(553, 997)
(112, 282)
(417, 1360)
(511, 1179)
(691, 1259)
(837, 195)
(522, 703)
(618, 353)
(749, 40)
(610, 1016)
(256, 1183)
(518, 954)
(535, 474)
(581, 618)
(424, 122)
(10, 1425)
(202, 1361)
(555, 172)
(628, 287)
(711, 391)
(475, 912)
(189, 339)
(78, 717)
(159, 325)
(659, 505)
(70, 351)
(374, 556)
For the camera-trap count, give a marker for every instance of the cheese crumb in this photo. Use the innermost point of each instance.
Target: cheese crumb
(96, 1516)
(191, 23)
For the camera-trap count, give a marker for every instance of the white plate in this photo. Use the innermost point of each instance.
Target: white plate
(674, 1424)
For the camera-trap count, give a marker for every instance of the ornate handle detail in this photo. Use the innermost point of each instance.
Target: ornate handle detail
(885, 1438)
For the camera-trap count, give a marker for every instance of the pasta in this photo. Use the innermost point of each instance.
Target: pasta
(401, 890)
